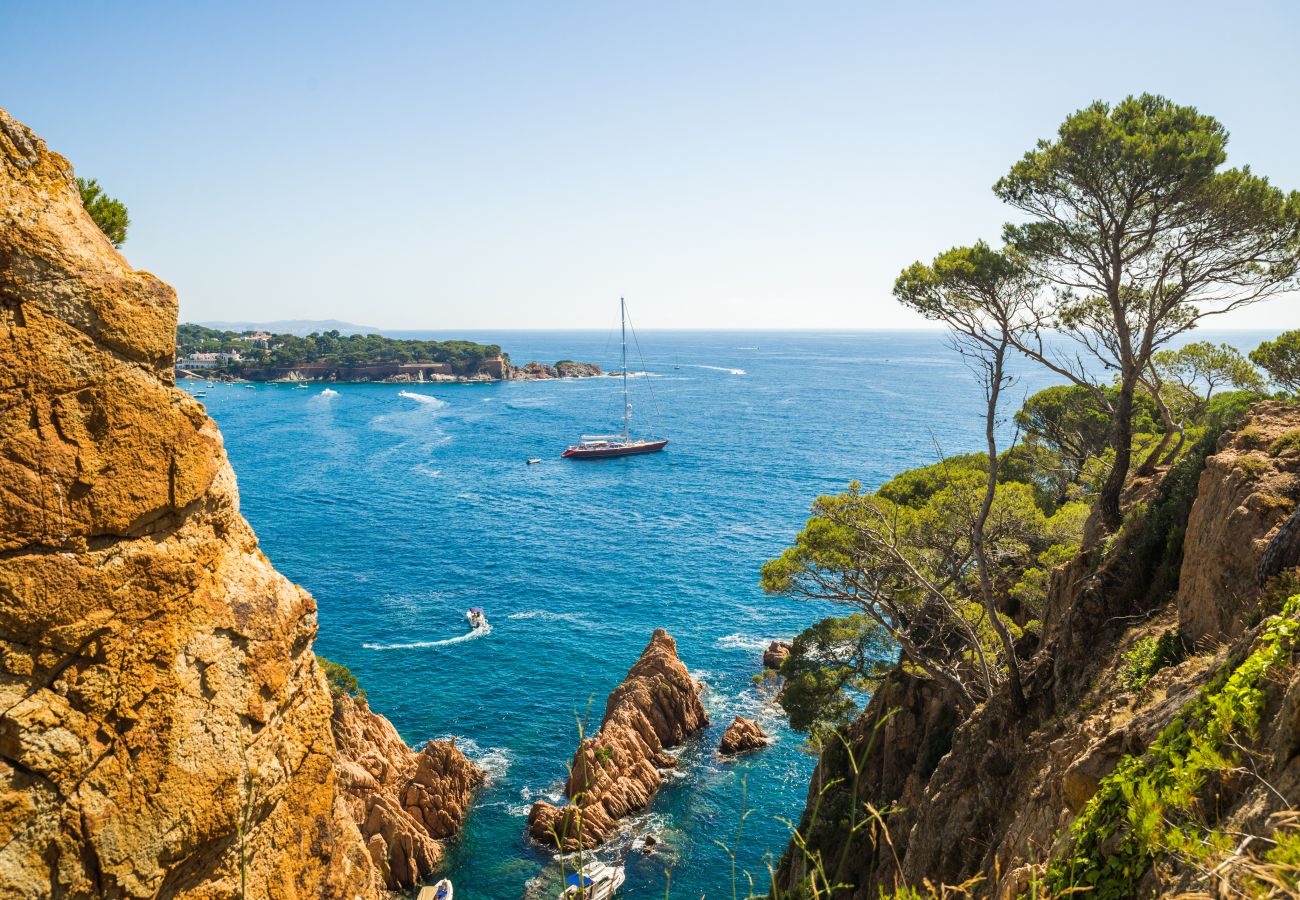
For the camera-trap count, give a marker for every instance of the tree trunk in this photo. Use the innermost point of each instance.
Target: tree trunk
(1122, 443)
(977, 533)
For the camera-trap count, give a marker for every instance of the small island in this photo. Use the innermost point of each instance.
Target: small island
(217, 355)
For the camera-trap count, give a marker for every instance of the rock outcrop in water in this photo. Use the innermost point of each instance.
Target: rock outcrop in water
(741, 736)
(405, 802)
(165, 727)
(776, 654)
(617, 772)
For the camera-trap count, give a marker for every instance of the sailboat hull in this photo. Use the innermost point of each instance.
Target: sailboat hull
(629, 449)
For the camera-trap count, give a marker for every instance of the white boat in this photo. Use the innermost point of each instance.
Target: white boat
(476, 617)
(440, 891)
(301, 386)
(250, 387)
(534, 460)
(593, 881)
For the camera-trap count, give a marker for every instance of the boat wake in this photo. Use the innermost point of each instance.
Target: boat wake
(422, 398)
(723, 369)
(328, 393)
(421, 645)
(548, 616)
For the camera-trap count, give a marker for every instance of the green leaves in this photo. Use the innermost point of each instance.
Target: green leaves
(108, 213)
(829, 663)
(1280, 358)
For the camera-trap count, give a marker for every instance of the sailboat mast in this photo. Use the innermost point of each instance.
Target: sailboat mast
(627, 410)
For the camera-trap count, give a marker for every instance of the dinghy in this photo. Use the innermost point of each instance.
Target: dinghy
(593, 881)
(476, 617)
(440, 891)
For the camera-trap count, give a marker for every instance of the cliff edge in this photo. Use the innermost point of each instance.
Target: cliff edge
(164, 725)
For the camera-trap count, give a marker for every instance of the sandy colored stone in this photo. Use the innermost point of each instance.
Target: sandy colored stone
(617, 772)
(404, 801)
(776, 654)
(742, 735)
(157, 682)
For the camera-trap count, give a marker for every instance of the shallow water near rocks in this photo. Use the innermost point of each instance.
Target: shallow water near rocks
(399, 506)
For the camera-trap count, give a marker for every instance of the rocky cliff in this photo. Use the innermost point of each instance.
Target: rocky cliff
(405, 802)
(1039, 801)
(165, 729)
(617, 772)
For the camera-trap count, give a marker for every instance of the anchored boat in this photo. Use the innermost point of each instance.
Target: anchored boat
(594, 881)
(601, 446)
(440, 891)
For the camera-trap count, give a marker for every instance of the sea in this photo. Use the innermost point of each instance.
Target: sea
(400, 506)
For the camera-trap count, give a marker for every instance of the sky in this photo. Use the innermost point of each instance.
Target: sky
(493, 165)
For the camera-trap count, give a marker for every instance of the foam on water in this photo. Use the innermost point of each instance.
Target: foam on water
(547, 616)
(729, 371)
(738, 641)
(426, 399)
(421, 645)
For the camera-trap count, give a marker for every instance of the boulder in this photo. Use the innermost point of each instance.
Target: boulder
(742, 735)
(776, 653)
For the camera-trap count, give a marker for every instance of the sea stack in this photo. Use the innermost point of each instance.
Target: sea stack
(165, 723)
(776, 653)
(617, 772)
(741, 736)
(405, 802)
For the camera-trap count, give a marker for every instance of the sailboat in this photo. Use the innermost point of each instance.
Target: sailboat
(601, 446)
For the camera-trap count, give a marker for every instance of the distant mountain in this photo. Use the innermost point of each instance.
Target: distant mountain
(294, 326)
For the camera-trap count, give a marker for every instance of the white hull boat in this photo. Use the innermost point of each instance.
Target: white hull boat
(593, 881)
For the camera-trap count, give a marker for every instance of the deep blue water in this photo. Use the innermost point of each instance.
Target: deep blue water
(398, 512)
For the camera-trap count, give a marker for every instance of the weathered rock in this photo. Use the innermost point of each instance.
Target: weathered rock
(567, 368)
(1245, 495)
(403, 801)
(616, 772)
(157, 679)
(742, 735)
(776, 653)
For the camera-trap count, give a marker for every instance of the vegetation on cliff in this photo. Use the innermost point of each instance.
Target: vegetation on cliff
(284, 351)
(1019, 588)
(107, 212)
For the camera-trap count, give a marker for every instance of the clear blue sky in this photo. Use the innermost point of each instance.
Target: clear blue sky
(495, 165)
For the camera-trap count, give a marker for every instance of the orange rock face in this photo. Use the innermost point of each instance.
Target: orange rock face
(404, 802)
(617, 772)
(742, 735)
(1248, 490)
(165, 724)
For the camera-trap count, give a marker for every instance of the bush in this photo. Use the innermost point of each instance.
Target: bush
(1148, 656)
(1288, 441)
(340, 678)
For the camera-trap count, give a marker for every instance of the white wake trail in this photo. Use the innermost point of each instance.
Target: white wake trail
(422, 398)
(722, 369)
(420, 645)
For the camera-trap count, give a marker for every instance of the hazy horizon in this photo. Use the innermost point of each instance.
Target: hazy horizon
(466, 167)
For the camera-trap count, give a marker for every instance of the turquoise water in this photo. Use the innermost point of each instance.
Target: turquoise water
(400, 506)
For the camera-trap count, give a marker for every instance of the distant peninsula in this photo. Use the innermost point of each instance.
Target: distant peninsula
(263, 355)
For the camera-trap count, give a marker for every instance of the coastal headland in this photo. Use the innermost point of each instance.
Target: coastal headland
(330, 356)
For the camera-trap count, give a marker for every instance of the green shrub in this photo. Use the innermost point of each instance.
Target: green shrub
(1252, 467)
(1146, 806)
(1288, 441)
(340, 678)
(1251, 438)
(1148, 656)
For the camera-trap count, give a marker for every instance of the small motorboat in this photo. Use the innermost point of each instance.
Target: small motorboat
(440, 891)
(475, 616)
(301, 386)
(250, 387)
(534, 460)
(593, 881)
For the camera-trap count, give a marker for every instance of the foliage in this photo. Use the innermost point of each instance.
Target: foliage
(340, 678)
(107, 212)
(1280, 358)
(1142, 233)
(828, 663)
(1286, 442)
(1201, 368)
(907, 563)
(1149, 655)
(1146, 806)
(345, 351)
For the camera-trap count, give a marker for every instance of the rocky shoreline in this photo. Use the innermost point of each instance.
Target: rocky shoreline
(618, 772)
(494, 370)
